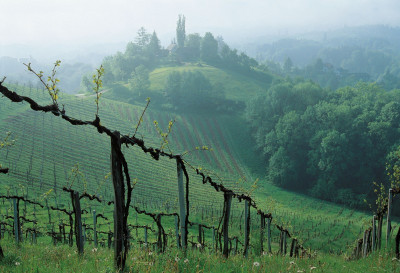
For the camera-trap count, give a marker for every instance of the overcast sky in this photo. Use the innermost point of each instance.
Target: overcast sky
(109, 21)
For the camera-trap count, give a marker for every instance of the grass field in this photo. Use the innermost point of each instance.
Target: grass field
(240, 87)
(44, 257)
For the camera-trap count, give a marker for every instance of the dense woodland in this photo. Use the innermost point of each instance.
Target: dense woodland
(336, 58)
(332, 144)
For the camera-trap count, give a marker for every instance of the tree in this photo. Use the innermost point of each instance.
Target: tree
(154, 48)
(180, 31)
(288, 65)
(209, 48)
(140, 82)
(86, 84)
(192, 46)
(142, 38)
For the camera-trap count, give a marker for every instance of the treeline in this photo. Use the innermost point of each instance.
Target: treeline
(330, 144)
(321, 72)
(145, 53)
(338, 58)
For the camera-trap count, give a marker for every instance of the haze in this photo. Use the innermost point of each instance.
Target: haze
(73, 22)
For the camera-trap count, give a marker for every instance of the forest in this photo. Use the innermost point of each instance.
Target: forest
(330, 144)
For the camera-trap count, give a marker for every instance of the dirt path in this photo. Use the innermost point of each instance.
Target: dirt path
(93, 95)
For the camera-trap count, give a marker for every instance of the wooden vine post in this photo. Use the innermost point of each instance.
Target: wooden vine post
(200, 237)
(182, 210)
(365, 243)
(119, 200)
(262, 229)
(145, 236)
(269, 234)
(389, 210)
(225, 227)
(246, 227)
(178, 244)
(373, 246)
(284, 242)
(76, 204)
(293, 246)
(379, 231)
(17, 227)
(94, 228)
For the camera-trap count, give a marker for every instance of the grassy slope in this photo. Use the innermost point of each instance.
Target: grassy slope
(237, 86)
(47, 148)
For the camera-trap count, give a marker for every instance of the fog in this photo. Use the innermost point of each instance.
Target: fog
(72, 27)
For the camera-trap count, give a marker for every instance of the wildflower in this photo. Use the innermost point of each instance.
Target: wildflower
(144, 244)
(94, 250)
(177, 259)
(312, 268)
(265, 253)
(198, 245)
(292, 262)
(186, 261)
(17, 263)
(150, 253)
(256, 264)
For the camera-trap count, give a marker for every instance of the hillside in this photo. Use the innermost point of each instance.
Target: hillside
(235, 88)
(239, 87)
(47, 148)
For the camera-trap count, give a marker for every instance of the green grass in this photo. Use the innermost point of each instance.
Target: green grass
(44, 257)
(237, 86)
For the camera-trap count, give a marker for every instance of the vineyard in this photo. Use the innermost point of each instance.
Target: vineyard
(50, 157)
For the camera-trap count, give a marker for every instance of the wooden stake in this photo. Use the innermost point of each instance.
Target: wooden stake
(145, 235)
(246, 227)
(227, 212)
(178, 244)
(269, 234)
(17, 231)
(78, 221)
(389, 210)
(373, 234)
(182, 209)
(262, 228)
(364, 244)
(284, 243)
(119, 201)
(94, 228)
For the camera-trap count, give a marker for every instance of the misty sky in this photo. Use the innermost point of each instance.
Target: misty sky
(108, 21)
